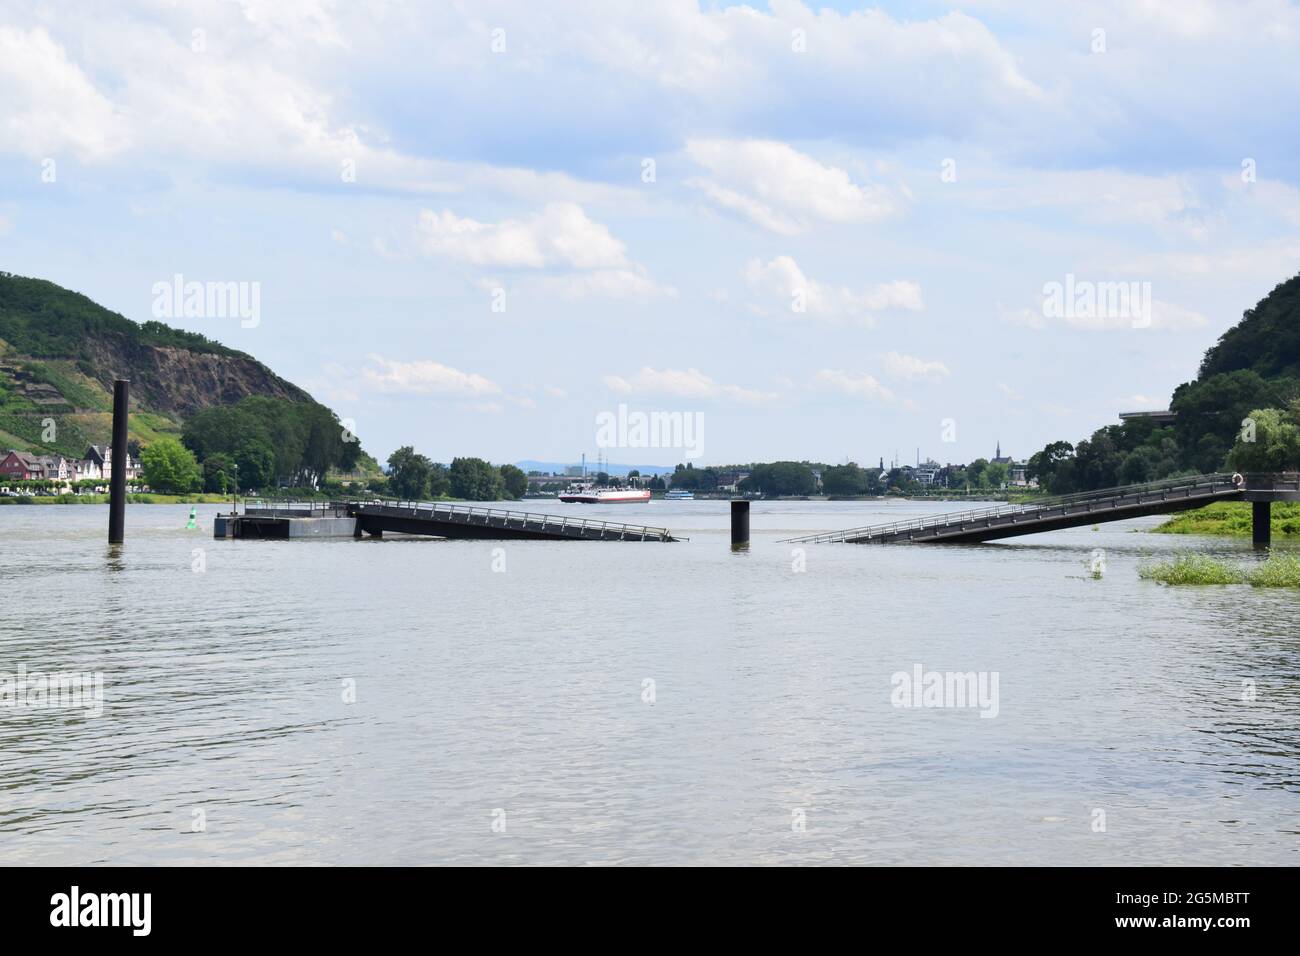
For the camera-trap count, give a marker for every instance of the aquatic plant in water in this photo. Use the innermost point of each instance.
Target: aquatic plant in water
(1278, 571)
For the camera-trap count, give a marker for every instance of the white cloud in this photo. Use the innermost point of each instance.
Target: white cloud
(858, 384)
(690, 383)
(910, 368)
(1163, 316)
(50, 107)
(1278, 199)
(781, 189)
(1029, 318)
(560, 235)
(1095, 196)
(631, 285)
(1143, 313)
(483, 408)
(786, 290)
(421, 377)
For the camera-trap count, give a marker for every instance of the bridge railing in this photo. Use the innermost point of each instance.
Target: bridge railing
(432, 508)
(294, 505)
(1206, 484)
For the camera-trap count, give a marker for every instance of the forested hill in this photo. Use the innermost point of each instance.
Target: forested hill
(1266, 340)
(1255, 365)
(59, 355)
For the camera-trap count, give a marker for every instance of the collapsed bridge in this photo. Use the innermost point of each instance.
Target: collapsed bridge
(1070, 511)
(286, 519)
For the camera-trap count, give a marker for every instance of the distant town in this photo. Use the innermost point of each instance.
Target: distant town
(999, 473)
(92, 470)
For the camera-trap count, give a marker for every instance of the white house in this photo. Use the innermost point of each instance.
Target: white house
(99, 463)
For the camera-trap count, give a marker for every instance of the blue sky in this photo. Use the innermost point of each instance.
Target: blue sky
(912, 174)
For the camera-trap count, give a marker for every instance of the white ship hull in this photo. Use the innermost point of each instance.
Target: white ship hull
(605, 496)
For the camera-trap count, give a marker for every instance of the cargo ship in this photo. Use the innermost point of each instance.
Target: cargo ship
(597, 495)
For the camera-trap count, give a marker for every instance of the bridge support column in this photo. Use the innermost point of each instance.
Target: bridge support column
(1260, 523)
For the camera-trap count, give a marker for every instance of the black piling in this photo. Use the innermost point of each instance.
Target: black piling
(117, 481)
(1261, 528)
(739, 525)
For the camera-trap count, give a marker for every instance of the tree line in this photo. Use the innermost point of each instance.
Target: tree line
(415, 477)
(262, 442)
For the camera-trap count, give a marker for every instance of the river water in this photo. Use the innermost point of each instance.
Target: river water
(413, 701)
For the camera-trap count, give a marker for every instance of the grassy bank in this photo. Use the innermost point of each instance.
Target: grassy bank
(1232, 519)
(137, 499)
(1279, 571)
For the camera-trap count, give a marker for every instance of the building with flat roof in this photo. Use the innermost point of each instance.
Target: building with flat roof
(1160, 418)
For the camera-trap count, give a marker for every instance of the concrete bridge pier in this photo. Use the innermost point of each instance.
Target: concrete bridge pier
(1261, 523)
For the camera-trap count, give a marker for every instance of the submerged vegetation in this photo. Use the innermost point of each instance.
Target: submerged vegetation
(1279, 571)
(1232, 519)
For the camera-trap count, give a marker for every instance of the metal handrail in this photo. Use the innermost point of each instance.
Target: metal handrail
(471, 511)
(1029, 509)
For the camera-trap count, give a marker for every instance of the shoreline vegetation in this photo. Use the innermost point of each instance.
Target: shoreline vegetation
(1278, 571)
(134, 498)
(1232, 519)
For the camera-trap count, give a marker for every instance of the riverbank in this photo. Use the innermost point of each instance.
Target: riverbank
(1232, 519)
(141, 498)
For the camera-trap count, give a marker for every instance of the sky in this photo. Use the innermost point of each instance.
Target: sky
(827, 232)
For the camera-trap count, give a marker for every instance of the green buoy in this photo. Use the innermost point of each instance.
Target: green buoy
(192, 523)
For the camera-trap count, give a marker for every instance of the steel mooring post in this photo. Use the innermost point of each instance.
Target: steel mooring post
(1261, 528)
(739, 525)
(117, 479)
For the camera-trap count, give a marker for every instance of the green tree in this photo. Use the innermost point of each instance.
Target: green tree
(846, 480)
(170, 467)
(1269, 442)
(995, 475)
(219, 474)
(475, 480)
(514, 482)
(688, 477)
(779, 478)
(409, 474)
(439, 481)
(255, 461)
(306, 439)
(899, 483)
(1210, 412)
